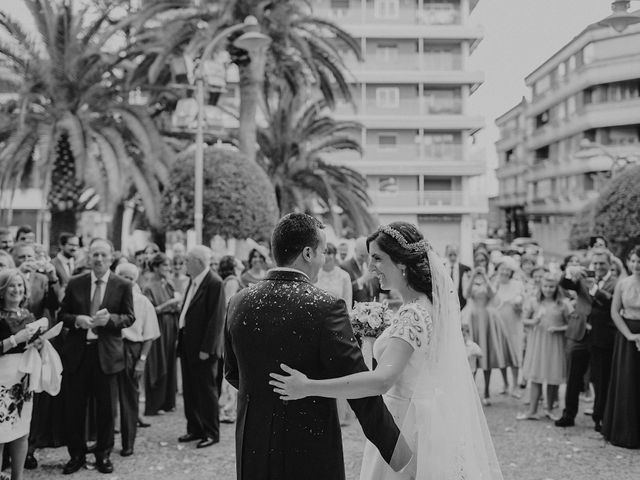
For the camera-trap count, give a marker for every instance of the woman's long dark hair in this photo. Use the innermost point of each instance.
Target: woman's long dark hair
(418, 272)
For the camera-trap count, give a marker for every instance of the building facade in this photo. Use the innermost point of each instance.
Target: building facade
(410, 94)
(584, 113)
(511, 171)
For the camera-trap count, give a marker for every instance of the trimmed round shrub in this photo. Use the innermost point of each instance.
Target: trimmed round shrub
(238, 198)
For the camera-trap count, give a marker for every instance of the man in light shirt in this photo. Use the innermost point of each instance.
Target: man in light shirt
(137, 343)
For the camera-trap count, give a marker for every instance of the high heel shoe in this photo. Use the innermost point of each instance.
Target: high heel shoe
(142, 424)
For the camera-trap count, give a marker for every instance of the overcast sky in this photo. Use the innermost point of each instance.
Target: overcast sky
(518, 36)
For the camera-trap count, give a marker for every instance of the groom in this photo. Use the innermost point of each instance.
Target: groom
(285, 319)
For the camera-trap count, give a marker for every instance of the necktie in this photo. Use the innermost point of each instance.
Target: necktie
(97, 297)
(452, 273)
(96, 300)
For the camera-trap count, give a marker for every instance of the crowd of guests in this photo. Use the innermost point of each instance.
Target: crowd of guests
(543, 325)
(131, 324)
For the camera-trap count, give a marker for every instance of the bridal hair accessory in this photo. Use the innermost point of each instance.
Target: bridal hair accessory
(421, 246)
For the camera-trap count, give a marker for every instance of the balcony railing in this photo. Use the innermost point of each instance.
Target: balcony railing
(434, 14)
(426, 198)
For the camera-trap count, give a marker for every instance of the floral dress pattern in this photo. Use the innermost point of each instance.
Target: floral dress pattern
(16, 400)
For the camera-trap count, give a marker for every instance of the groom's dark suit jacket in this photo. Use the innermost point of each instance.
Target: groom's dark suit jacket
(285, 319)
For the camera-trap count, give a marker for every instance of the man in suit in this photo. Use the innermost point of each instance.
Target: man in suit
(364, 286)
(200, 346)
(64, 261)
(96, 307)
(459, 272)
(590, 335)
(603, 330)
(286, 319)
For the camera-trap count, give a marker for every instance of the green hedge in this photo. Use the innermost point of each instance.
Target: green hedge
(238, 199)
(617, 212)
(582, 227)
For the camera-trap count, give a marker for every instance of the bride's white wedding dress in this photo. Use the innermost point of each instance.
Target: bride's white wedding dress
(413, 324)
(434, 402)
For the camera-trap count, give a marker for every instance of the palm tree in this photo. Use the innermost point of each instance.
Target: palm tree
(72, 121)
(303, 53)
(293, 146)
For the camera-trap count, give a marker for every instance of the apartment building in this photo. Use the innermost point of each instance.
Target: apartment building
(511, 171)
(410, 94)
(584, 112)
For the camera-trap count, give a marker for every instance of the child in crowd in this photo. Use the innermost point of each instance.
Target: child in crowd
(474, 352)
(545, 360)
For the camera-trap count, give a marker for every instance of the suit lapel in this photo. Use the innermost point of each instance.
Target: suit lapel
(86, 294)
(356, 268)
(107, 290)
(199, 292)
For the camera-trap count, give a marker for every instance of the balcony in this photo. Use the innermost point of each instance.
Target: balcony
(434, 14)
(435, 160)
(428, 201)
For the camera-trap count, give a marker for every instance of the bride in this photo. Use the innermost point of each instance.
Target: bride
(422, 369)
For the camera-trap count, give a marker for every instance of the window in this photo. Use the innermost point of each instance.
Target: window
(509, 156)
(387, 52)
(542, 119)
(442, 57)
(442, 100)
(388, 97)
(440, 12)
(386, 9)
(387, 141)
(388, 185)
(542, 154)
(562, 70)
(588, 54)
(571, 106)
(339, 8)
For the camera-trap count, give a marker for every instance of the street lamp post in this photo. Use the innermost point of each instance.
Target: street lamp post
(252, 41)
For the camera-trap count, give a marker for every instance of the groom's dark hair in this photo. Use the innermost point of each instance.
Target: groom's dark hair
(292, 234)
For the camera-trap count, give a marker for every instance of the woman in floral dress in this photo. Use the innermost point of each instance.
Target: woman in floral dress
(16, 400)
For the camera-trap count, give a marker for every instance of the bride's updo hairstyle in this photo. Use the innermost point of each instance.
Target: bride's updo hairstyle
(406, 246)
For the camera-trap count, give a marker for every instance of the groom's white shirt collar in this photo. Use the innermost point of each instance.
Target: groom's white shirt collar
(289, 269)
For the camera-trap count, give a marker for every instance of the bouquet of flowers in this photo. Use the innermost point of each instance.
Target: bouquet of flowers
(369, 319)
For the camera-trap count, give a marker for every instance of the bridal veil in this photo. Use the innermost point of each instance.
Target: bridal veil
(445, 425)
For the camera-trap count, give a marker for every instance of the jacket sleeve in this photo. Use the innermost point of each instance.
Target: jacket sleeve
(212, 341)
(341, 356)
(602, 299)
(125, 317)
(230, 360)
(67, 314)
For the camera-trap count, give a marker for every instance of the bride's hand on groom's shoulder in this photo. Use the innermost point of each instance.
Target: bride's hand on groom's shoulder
(289, 387)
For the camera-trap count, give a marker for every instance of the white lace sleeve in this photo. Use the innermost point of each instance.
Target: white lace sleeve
(414, 326)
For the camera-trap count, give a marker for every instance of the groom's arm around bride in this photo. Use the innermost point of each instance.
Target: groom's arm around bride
(286, 319)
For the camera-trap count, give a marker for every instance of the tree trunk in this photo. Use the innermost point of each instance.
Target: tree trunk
(61, 222)
(115, 230)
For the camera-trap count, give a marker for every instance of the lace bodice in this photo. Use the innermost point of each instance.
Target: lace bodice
(413, 324)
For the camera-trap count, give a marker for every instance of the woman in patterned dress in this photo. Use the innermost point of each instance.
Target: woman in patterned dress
(161, 374)
(16, 400)
(422, 370)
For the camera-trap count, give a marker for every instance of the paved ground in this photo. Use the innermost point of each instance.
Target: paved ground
(531, 450)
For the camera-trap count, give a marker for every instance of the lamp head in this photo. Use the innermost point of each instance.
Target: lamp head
(620, 19)
(252, 41)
